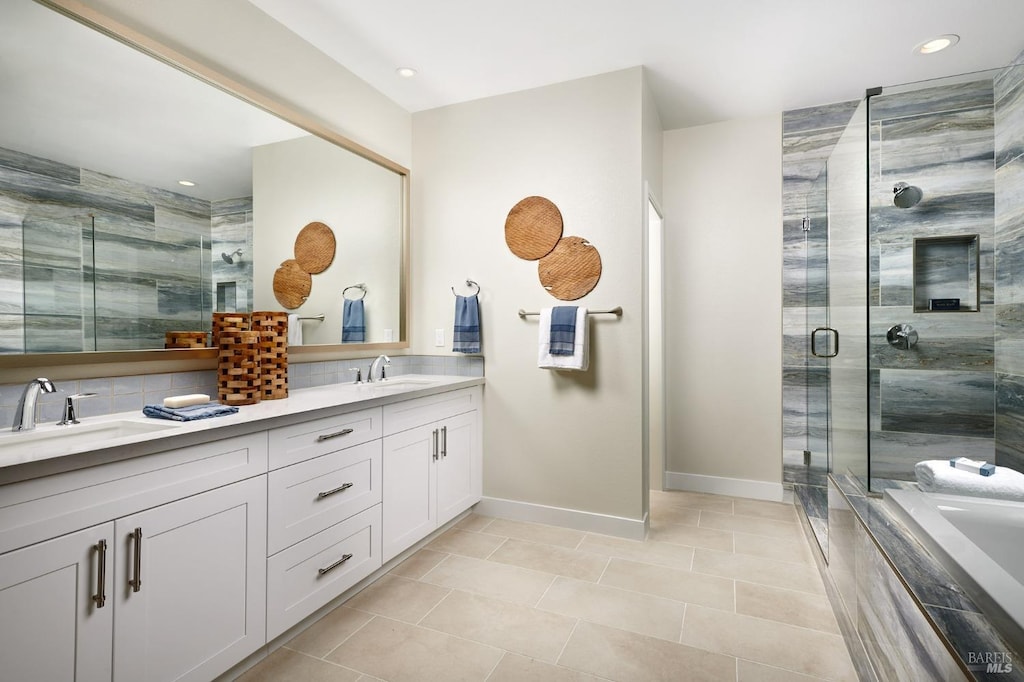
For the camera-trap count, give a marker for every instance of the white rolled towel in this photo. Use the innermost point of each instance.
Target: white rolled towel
(936, 476)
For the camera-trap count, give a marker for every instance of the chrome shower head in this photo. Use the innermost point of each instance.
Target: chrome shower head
(905, 195)
(230, 258)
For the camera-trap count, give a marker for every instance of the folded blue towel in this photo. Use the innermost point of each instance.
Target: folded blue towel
(190, 413)
(466, 338)
(563, 330)
(353, 322)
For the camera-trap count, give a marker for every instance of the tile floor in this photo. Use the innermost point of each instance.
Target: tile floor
(723, 589)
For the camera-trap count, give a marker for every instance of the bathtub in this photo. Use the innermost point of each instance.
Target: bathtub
(981, 544)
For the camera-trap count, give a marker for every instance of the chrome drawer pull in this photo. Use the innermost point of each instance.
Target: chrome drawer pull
(101, 574)
(435, 444)
(328, 436)
(136, 582)
(333, 566)
(328, 493)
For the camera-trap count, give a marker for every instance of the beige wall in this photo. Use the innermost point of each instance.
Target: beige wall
(723, 243)
(240, 40)
(296, 182)
(558, 439)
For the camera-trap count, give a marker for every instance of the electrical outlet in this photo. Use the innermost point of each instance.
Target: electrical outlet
(389, 335)
(439, 338)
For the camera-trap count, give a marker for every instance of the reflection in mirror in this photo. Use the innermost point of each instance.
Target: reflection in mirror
(128, 207)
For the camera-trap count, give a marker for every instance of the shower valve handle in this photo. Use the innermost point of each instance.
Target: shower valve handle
(901, 336)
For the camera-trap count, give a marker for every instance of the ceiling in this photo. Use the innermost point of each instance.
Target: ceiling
(707, 61)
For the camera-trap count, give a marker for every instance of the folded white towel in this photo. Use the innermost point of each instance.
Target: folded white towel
(936, 476)
(580, 359)
(294, 330)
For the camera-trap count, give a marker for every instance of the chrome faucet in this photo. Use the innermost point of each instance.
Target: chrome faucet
(381, 361)
(25, 414)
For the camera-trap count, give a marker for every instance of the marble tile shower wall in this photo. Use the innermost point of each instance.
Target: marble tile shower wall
(1009, 296)
(78, 253)
(130, 393)
(937, 396)
(808, 137)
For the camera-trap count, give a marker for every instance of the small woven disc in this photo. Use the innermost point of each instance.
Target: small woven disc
(533, 227)
(292, 284)
(314, 248)
(571, 270)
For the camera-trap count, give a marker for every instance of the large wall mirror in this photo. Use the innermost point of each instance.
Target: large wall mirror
(137, 198)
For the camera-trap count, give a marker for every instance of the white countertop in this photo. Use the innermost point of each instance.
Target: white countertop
(52, 449)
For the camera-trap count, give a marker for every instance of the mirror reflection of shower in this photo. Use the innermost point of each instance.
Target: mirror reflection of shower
(905, 195)
(229, 258)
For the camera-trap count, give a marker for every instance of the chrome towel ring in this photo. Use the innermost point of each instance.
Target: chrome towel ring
(360, 286)
(469, 283)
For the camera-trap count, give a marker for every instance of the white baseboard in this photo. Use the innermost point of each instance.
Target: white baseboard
(736, 487)
(590, 522)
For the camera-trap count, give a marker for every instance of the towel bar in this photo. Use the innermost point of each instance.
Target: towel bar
(617, 311)
(318, 318)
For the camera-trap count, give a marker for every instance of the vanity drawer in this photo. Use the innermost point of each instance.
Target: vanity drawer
(299, 442)
(46, 507)
(306, 576)
(307, 497)
(412, 413)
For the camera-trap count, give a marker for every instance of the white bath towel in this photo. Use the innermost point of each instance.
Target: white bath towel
(294, 330)
(936, 476)
(580, 359)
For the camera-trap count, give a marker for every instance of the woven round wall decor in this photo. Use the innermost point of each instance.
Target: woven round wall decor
(533, 227)
(315, 247)
(292, 284)
(571, 270)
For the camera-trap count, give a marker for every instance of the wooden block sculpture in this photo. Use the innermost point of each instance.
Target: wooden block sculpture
(273, 350)
(184, 339)
(238, 368)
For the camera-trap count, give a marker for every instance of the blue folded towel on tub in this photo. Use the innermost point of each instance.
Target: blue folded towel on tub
(190, 413)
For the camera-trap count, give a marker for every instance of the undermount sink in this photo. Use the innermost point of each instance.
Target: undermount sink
(399, 383)
(75, 436)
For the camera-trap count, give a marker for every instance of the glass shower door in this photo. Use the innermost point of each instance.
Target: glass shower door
(847, 299)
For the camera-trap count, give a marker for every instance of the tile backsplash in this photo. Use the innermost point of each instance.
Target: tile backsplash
(130, 393)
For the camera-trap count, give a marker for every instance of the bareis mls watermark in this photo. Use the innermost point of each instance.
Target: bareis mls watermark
(990, 661)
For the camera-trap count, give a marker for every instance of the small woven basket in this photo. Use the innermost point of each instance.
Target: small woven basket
(273, 347)
(238, 368)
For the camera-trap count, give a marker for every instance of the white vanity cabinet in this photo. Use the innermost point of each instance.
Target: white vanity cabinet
(325, 513)
(432, 465)
(188, 607)
(56, 608)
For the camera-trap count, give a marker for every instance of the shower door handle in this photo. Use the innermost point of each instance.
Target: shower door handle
(835, 347)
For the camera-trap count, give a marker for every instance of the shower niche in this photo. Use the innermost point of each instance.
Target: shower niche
(946, 274)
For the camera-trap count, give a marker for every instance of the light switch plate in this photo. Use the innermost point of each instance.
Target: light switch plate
(439, 337)
(389, 335)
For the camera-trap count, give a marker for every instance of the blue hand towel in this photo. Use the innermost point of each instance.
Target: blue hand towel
(353, 322)
(563, 330)
(466, 338)
(190, 413)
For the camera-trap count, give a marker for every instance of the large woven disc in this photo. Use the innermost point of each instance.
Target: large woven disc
(292, 284)
(533, 227)
(314, 248)
(571, 270)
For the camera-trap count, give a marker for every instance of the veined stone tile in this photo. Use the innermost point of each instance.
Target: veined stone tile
(1009, 115)
(835, 115)
(940, 98)
(1010, 421)
(946, 402)
(15, 160)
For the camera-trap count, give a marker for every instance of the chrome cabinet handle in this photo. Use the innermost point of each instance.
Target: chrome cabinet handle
(435, 445)
(339, 562)
(814, 350)
(136, 582)
(100, 598)
(328, 436)
(328, 493)
(444, 441)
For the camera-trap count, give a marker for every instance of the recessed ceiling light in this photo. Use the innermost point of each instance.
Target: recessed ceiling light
(405, 72)
(935, 44)
(186, 183)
